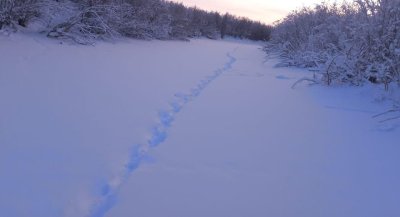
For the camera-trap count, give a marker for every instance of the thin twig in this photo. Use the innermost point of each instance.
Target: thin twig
(390, 119)
(302, 80)
(386, 112)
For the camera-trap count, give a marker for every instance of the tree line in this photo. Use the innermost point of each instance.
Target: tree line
(353, 42)
(87, 20)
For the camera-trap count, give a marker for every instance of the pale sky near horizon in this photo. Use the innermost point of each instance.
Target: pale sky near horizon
(266, 11)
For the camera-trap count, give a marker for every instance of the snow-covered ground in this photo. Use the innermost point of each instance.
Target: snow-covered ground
(201, 128)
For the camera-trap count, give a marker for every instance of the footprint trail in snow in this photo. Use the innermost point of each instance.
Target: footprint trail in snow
(159, 134)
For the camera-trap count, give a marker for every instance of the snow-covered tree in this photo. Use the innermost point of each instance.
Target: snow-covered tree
(180, 21)
(85, 21)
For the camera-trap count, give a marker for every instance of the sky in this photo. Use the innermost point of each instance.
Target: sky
(266, 11)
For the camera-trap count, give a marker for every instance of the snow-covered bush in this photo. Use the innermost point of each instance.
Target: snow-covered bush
(18, 12)
(348, 43)
(93, 20)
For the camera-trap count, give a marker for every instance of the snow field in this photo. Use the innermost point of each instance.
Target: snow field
(201, 128)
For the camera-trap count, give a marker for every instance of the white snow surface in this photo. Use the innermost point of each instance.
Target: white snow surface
(196, 129)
